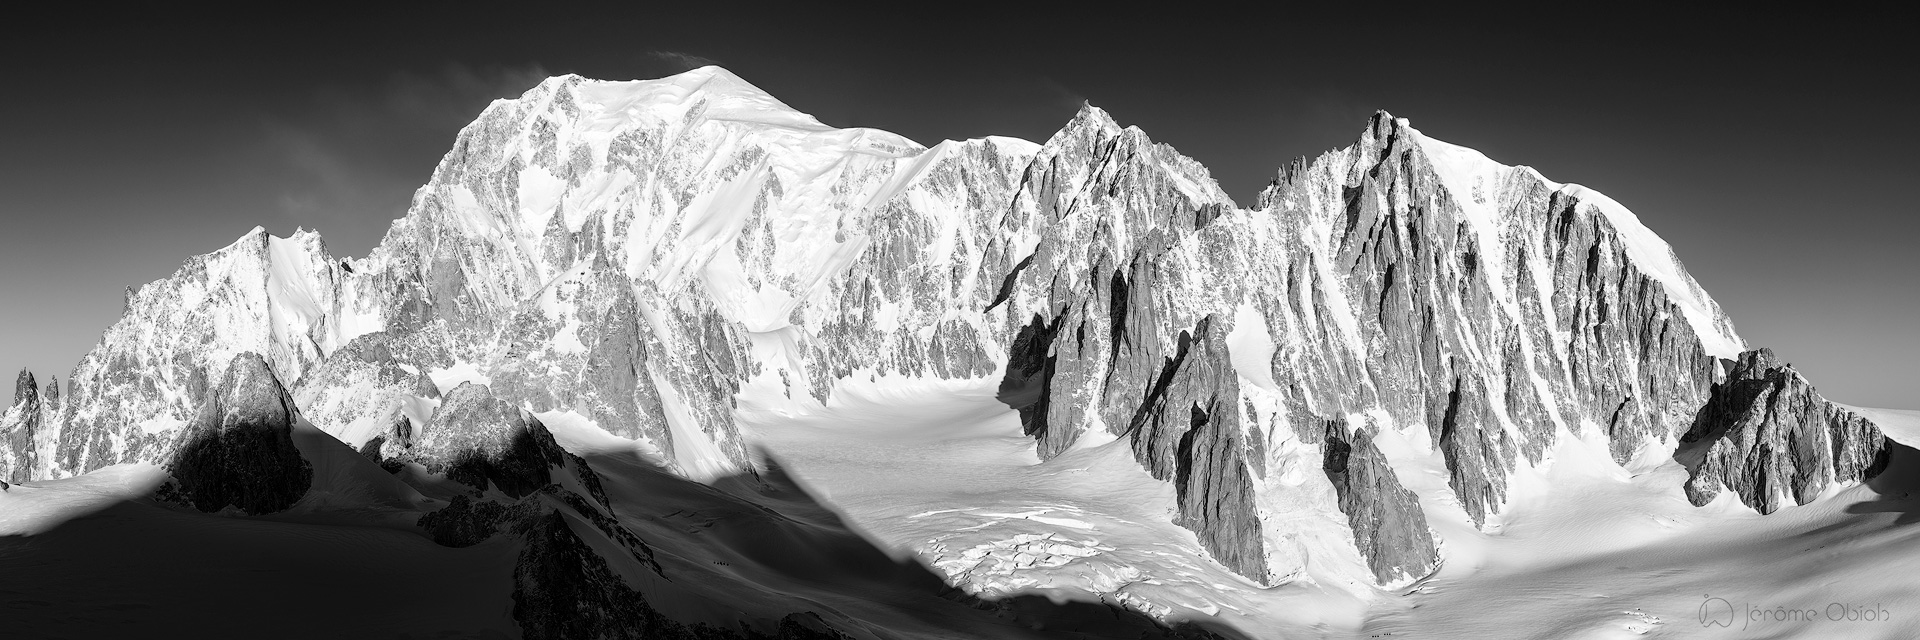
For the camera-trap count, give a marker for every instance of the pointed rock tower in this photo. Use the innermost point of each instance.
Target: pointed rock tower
(239, 450)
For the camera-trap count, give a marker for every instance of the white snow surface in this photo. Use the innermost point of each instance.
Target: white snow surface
(450, 378)
(1586, 548)
(938, 470)
(1604, 552)
(1474, 179)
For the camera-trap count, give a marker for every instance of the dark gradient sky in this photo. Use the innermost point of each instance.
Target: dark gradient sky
(1775, 152)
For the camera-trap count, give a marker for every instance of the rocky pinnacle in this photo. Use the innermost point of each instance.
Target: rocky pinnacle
(239, 450)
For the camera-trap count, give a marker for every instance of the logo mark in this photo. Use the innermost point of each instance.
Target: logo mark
(1716, 612)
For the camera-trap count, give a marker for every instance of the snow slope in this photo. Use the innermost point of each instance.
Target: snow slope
(96, 556)
(1608, 555)
(936, 469)
(1474, 179)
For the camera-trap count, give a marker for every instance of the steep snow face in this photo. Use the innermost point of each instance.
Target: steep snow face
(941, 468)
(263, 294)
(1478, 182)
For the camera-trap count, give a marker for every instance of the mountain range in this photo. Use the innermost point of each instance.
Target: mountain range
(668, 358)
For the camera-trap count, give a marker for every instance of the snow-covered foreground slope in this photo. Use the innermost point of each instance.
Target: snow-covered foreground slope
(1593, 550)
(96, 555)
(940, 469)
(1624, 556)
(934, 483)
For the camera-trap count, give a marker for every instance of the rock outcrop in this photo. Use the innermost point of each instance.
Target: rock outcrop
(1097, 344)
(485, 443)
(150, 374)
(1497, 307)
(1388, 525)
(19, 425)
(239, 450)
(1767, 436)
(1187, 431)
(361, 389)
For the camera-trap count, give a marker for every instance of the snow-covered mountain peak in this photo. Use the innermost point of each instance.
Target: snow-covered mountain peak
(720, 93)
(1654, 255)
(1093, 147)
(1486, 191)
(1088, 119)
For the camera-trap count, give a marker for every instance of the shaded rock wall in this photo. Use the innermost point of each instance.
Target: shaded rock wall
(1767, 436)
(1387, 522)
(239, 450)
(18, 426)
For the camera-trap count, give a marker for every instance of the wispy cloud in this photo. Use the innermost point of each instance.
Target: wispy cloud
(679, 60)
(455, 94)
(351, 158)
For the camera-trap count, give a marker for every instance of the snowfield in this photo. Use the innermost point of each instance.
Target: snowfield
(936, 475)
(939, 470)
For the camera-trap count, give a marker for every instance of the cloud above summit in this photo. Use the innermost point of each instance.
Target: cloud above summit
(348, 161)
(680, 60)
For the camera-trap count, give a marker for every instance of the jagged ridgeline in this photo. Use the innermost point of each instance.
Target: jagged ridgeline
(638, 252)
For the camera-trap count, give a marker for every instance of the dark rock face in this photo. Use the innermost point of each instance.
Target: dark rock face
(478, 440)
(1477, 456)
(1766, 435)
(468, 520)
(18, 426)
(1187, 432)
(239, 450)
(465, 522)
(1028, 376)
(1387, 522)
(24, 387)
(562, 587)
(51, 397)
(563, 590)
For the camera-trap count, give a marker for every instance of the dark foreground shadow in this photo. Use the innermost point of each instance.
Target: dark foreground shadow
(347, 561)
(921, 592)
(1898, 486)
